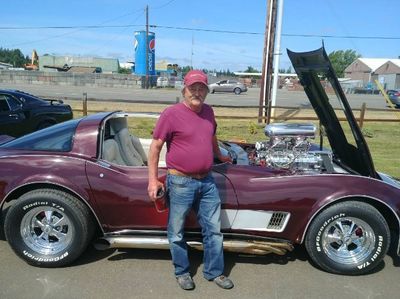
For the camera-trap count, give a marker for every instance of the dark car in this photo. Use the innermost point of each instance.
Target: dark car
(22, 113)
(87, 178)
(394, 97)
(227, 86)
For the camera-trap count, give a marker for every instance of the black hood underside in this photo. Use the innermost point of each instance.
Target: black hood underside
(312, 67)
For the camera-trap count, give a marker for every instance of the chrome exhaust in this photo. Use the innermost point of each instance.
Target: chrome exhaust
(154, 242)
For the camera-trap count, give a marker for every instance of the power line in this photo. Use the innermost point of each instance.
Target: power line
(199, 30)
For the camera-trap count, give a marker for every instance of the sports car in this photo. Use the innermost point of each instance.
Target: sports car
(85, 180)
(22, 113)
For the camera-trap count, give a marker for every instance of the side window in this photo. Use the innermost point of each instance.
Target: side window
(223, 82)
(4, 104)
(13, 103)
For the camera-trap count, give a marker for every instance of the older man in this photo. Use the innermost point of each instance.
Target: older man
(189, 130)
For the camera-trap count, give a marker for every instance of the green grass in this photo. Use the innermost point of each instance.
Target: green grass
(383, 138)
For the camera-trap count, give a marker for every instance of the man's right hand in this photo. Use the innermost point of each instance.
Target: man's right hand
(153, 187)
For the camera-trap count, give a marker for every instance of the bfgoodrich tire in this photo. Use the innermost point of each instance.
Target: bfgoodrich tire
(48, 228)
(348, 238)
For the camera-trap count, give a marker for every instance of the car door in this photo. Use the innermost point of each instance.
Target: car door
(121, 194)
(230, 85)
(12, 118)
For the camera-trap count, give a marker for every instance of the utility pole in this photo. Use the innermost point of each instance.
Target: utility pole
(277, 55)
(269, 43)
(191, 57)
(147, 47)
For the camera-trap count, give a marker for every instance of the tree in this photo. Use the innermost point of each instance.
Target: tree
(14, 57)
(342, 59)
(250, 69)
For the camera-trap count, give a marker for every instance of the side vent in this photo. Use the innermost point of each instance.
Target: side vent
(278, 221)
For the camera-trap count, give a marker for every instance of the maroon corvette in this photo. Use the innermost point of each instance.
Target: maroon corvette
(85, 180)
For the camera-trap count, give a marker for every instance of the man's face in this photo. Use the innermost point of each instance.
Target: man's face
(195, 95)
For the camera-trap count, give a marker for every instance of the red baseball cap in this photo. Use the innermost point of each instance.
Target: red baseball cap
(195, 76)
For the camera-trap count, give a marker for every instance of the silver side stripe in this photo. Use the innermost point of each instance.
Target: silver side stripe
(274, 221)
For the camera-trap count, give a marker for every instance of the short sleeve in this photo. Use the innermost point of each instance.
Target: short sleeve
(163, 129)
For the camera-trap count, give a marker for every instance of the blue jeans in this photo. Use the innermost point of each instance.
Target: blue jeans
(201, 195)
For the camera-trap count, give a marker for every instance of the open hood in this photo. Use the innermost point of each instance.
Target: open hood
(353, 155)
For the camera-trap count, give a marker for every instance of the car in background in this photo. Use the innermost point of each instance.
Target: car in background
(22, 113)
(227, 86)
(394, 97)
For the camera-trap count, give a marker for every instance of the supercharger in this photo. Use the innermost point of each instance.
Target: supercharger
(289, 147)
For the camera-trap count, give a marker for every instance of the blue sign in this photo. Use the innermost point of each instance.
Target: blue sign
(140, 53)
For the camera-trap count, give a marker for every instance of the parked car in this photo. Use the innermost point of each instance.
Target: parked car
(87, 179)
(22, 113)
(394, 97)
(227, 86)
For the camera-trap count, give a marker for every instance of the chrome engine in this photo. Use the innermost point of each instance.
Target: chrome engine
(289, 147)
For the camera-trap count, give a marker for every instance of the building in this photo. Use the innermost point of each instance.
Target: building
(389, 74)
(5, 66)
(367, 70)
(51, 63)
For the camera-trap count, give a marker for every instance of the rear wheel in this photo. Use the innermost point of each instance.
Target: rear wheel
(237, 90)
(48, 228)
(348, 238)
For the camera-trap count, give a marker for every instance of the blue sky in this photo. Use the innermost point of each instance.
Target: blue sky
(118, 19)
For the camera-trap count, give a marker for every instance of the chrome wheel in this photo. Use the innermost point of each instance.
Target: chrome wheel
(350, 237)
(46, 230)
(348, 240)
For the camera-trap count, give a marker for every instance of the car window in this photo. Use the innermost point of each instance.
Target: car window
(55, 138)
(3, 103)
(223, 82)
(13, 103)
(233, 82)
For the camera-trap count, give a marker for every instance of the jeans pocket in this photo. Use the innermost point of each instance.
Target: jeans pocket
(179, 181)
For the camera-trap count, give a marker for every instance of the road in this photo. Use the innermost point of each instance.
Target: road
(250, 98)
(138, 273)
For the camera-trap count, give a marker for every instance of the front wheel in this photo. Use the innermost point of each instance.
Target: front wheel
(237, 90)
(48, 228)
(348, 238)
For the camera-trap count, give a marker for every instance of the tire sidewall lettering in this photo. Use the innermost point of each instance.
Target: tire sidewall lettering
(44, 259)
(43, 203)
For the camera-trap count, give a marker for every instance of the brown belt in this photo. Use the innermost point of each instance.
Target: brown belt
(197, 176)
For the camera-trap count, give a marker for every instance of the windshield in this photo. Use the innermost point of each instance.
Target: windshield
(55, 138)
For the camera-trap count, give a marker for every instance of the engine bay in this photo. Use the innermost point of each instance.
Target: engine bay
(288, 146)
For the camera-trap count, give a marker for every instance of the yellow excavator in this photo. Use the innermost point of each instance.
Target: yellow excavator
(34, 65)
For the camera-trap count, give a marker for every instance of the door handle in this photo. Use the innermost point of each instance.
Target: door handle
(16, 116)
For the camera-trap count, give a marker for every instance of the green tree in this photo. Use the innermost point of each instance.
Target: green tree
(342, 59)
(14, 57)
(251, 69)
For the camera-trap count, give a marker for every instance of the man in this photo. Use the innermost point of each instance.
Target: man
(189, 130)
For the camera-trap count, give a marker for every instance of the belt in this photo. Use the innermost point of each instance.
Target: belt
(197, 176)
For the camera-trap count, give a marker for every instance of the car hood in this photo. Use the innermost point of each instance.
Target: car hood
(355, 156)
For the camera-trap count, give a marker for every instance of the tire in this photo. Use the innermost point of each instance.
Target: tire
(237, 90)
(348, 238)
(212, 91)
(48, 228)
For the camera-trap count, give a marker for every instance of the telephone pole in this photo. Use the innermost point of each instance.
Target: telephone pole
(147, 47)
(269, 45)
